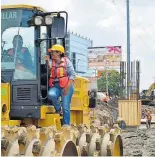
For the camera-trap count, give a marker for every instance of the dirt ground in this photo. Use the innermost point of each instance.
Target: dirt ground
(136, 141)
(139, 141)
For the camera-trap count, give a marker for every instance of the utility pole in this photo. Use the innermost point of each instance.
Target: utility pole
(128, 47)
(154, 90)
(106, 69)
(107, 82)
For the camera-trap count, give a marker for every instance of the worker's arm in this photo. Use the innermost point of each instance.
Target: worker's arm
(70, 72)
(49, 61)
(71, 75)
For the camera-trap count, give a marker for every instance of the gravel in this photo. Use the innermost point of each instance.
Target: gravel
(139, 141)
(104, 114)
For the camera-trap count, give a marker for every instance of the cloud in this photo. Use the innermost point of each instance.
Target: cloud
(73, 25)
(52, 5)
(104, 21)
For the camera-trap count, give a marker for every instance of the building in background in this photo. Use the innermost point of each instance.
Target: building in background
(100, 58)
(77, 50)
(103, 58)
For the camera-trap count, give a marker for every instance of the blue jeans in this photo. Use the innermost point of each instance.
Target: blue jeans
(53, 95)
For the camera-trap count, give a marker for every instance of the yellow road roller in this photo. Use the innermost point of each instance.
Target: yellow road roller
(29, 125)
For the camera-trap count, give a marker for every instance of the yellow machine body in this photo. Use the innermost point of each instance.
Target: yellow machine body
(80, 112)
(149, 97)
(47, 137)
(66, 137)
(5, 106)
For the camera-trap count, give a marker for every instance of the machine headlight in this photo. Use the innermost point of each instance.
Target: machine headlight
(38, 20)
(48, 20)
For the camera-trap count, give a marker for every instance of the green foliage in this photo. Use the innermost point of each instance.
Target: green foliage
(113, 78)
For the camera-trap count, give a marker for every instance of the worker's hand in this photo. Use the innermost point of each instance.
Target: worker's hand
(47, 58)
(66, 89)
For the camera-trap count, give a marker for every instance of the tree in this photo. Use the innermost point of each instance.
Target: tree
(113, 78)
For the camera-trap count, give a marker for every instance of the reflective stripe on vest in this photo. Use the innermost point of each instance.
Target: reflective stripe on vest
(61, 73)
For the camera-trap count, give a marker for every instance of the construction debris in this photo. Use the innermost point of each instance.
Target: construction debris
(150, 108)
(139, 141)
(106, 113)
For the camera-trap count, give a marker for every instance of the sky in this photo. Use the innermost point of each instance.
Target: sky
(104, 21)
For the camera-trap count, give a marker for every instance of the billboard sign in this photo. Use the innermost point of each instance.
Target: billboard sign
(101, 57)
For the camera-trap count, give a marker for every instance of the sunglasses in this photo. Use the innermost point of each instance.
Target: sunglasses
(55, 51)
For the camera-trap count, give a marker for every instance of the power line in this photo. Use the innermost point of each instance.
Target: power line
(145, 42)
(114, 3)
(140, 24)
(148, 33)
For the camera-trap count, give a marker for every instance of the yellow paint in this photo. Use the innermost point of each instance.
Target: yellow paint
(46, 109)
(151, 88)
(48, 117)
(117, 147)
(80, 113)
(76, 117)
(5, 100)
(76, 108)
(22, 6)
(86, 116)
(11, 122)
(51, 119)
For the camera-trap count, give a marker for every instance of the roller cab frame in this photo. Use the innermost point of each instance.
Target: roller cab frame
(24, 93)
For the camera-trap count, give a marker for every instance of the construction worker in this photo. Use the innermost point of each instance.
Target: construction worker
(20, 54)
(61, 80)
(148, 119)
